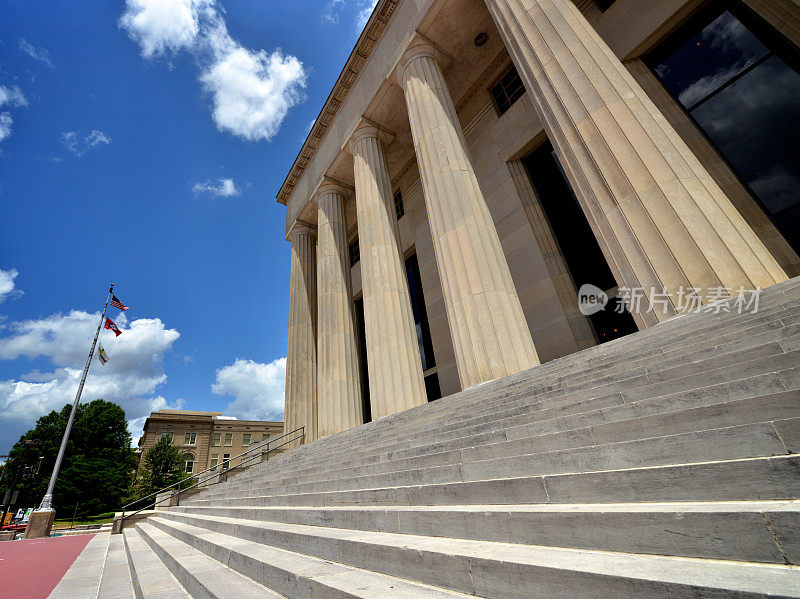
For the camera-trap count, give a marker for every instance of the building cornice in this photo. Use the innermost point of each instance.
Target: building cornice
(373, 31)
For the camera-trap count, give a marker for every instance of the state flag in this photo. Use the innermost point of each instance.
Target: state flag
(118, 304)
(101, 353)
(112, 327)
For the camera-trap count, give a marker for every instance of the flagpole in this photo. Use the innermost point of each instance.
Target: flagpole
(47, 501)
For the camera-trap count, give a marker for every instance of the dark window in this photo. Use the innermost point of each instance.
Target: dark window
(399, 209)
(604, 4)
(740, 82)
(576, 239)
(363, 366)
(420, 314)
(355, 253)
(507, 90)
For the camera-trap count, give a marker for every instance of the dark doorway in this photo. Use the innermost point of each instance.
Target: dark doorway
(576, 240)
(423, 330)
(739, 80)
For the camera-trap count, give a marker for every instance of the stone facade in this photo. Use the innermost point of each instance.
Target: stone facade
(206, 435)
(413, 116)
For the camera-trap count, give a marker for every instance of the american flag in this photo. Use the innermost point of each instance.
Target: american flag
(118, 304)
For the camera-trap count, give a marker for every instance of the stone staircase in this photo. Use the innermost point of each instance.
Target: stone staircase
(663, 464)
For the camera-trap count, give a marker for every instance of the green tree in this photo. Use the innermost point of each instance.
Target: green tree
(162, 465)
(98, 464)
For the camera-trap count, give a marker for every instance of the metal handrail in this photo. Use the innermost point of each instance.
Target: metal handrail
(301, 436)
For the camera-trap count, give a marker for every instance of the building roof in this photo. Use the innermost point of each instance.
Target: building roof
(367, 41)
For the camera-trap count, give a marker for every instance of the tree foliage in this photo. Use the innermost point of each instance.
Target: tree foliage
(162, 465)
(98, 464)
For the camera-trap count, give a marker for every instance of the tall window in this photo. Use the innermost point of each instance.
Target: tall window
(246, 438)
(190, 439)
(264, 437)
(217, 439)
(169, 435)
(399, 209)
(740, 82)
(355, 253)
(189, 463)
(507, 90)
(225, 460)
(228, 439)
(214, 460)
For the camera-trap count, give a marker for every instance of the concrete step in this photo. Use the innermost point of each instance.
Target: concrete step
(83, 577)
(495, 570)
(610, 428)
(293, 574)
(743, 441)
(150, 576)
(723, 374)
(508, 381)
(116, 581)
(749, 479)
(397, 426)
(744, 531)
(199, 574)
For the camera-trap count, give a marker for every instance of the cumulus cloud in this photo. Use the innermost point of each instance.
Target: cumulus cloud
(13, 97)
(223, 187)
(131, 377)
(35, 52)
(257, 388)
(251, 90)
(7, 290)
(80, 144)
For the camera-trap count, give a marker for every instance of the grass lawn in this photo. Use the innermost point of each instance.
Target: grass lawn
(99, 519)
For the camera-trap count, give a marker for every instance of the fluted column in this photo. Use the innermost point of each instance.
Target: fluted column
(339, 387)
(395, 367)
(301, 347)
(665, 223)
(490, 335)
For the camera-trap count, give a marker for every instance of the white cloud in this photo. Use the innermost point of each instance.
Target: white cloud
(14, 98)
(251, 91)
(7, 290)
(130, 378)
(5, 125)
(257, 388)
(162, 26)
(223, 187)
(80, 144)
(332, 11)
(38, 54)
(364, 13)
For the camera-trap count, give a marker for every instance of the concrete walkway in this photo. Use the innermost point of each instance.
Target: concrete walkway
(32, 569)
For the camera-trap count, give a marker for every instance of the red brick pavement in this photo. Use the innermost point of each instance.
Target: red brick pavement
(31, 569)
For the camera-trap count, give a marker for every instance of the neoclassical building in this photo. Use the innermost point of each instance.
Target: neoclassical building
(478, 161)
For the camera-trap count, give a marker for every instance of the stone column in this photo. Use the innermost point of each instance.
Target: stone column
(665, 222)
(490, 335)
(395, 366)
(339, 387)
(301, 346)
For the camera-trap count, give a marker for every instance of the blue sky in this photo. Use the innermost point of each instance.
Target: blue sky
(143, 142)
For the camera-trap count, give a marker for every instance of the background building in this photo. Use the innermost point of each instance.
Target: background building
(207, 437)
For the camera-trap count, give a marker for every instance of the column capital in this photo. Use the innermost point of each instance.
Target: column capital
(329, 185)
(301, 228)
(367, 128)
(420, 48)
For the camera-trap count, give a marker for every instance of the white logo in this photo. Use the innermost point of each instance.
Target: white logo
(591, 299)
